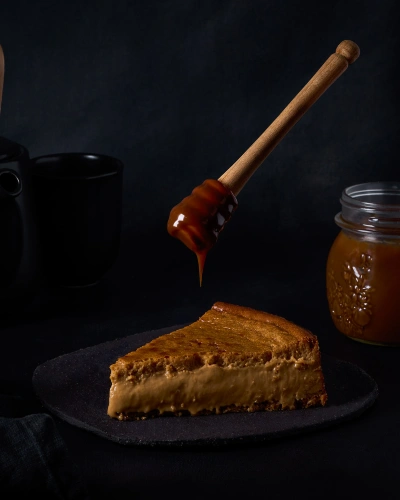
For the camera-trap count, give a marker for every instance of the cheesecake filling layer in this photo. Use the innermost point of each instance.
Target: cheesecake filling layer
(210, 387)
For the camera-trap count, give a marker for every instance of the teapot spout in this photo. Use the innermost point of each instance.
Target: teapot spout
(10, 184)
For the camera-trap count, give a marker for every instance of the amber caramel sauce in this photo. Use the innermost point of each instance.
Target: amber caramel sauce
(199, 218)
(363, 288)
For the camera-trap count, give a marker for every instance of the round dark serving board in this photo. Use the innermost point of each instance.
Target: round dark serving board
(75, 388)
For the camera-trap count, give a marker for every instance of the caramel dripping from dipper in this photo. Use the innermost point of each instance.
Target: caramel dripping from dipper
(193, 220)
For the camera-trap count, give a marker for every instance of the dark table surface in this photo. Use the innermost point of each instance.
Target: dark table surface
(357, 457)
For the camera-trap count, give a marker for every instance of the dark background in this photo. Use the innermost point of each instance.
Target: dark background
(178, 90)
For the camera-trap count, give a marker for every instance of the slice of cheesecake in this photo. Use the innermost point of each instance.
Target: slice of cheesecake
(233, 359)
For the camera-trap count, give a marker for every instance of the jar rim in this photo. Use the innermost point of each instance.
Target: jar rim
(357, 195)
(371, 207)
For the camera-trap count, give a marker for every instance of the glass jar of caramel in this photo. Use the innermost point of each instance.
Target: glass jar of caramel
(363, 266)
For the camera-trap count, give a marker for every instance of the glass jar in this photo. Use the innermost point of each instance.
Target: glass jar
(363, 266)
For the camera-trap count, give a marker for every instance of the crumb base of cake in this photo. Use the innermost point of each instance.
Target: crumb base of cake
(317, 400)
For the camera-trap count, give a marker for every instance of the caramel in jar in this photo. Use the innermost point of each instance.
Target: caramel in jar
(363, 265)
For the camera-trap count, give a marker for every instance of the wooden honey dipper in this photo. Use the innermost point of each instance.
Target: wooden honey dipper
(199, 218)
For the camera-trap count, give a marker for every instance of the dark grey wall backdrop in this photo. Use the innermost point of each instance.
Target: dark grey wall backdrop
(178, 90)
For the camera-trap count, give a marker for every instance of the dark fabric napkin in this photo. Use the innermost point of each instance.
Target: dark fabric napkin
(35, 459)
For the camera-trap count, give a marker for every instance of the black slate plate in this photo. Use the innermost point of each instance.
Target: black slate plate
(75, 388)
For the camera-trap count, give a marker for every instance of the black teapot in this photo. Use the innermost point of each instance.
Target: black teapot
(19, 272)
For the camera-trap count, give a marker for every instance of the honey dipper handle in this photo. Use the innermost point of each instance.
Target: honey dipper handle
(241, 171)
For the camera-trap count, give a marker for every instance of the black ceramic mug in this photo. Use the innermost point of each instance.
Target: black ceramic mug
(78, 201)
(19, 273)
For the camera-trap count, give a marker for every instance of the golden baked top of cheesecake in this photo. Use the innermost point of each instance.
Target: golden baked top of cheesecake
(222, 333)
